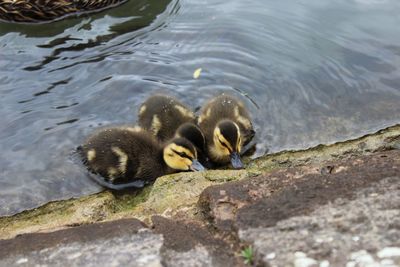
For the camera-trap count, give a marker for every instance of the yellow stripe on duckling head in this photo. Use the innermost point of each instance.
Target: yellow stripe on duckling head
(239, 139)
(182, 149)
(221, 143)
(174, 160)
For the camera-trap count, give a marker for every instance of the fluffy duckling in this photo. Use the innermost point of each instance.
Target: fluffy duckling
(130, 157)
(162, 115)
(227, 127)
(30, 11)
(193, 133)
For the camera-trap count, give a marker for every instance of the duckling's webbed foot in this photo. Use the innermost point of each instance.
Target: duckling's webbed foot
(249, 149)
(206, 162)
(248, 136)
(123, 186)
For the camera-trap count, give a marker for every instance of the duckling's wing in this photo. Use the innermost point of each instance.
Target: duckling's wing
(100, 179)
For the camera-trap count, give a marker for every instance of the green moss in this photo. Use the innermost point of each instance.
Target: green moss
(223, 176)
(128, 201)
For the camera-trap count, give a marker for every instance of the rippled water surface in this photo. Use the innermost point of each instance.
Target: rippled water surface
(311, 71)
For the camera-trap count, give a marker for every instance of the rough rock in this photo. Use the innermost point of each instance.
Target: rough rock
(196, 257)
(141, 249)
(191, 240)
(264, 200)
(342, 213)
(126, 242)
(364, 231)
(84, 233)
(176, 192)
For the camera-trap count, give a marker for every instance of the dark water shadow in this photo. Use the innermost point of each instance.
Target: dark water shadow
(139, 14)
(127, 18)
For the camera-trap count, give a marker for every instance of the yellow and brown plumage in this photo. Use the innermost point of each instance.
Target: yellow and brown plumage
(35, 11)
(123, 155)
(166, 117)
(162, 115)
(227, 127)
(193, 133)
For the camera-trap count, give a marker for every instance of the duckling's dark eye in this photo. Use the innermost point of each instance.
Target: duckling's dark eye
(224, 144)
(182, 154)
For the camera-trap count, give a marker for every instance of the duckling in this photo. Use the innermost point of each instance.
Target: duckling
(162, 115)
(227, 127)
(131, 157)
(30, 11)
(193, 133)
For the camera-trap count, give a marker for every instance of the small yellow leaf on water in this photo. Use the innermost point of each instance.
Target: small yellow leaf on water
(196, 73)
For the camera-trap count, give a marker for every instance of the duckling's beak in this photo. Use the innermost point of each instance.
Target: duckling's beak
(196, 166)
(236, 161)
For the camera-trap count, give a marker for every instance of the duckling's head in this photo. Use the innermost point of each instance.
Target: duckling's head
(180, 154)
(192, 133)
(228, 141)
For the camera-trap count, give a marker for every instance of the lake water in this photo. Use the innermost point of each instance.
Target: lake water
(311, 72)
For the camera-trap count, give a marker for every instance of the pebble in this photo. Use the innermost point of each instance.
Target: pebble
(362, 257)
(389, 252)
(22, 260)
(271, 256)
(387, 262)
(303, 261)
